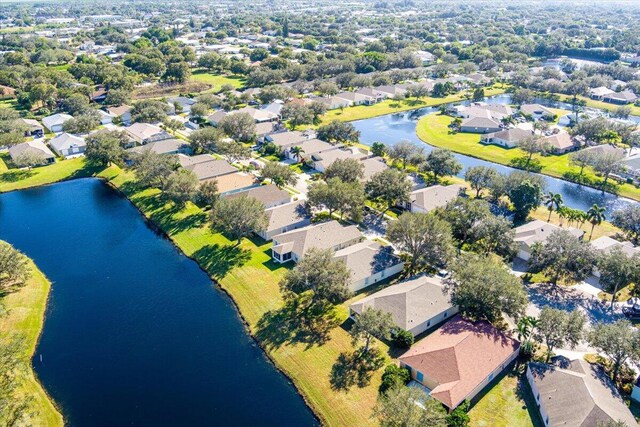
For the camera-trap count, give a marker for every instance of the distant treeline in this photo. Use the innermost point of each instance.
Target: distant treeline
(607, 55)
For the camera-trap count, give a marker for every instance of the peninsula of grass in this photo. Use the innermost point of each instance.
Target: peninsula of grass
(17, 179)
(434, 130)
(390, 106)
(24, 318)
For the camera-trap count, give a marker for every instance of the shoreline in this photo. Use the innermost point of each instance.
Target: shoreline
(151, 224)
(27, 310)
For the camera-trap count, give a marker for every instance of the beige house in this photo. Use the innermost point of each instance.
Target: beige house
(416, 305)
(537, 231)
(269, 195)
(427, 199)
(283, 218)
(292, 245)
(369, 262)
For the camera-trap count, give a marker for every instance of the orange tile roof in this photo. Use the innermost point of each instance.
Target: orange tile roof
(459, 356)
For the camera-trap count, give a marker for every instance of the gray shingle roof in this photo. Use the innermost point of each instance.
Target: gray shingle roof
(367, 258)
(326, 235)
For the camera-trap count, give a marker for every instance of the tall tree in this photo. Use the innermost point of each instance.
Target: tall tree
(425, 238)
(180, 187)
(404, 151)
(482, 299)
(390, 187)
(553, 201)
(563, 257)
(397, 408)
(608, 163)
(233, 151)
(15, 268)
(348, 170)
(371, 323)
(441, 162)
(617, 270)
(480, 177)
(338, 196)
(525, 197)
(205, 139)
(105, 147)
(595, 215)
(494, 234)
(620, 341)
(280, 175)
(557, 328)
(628, 219)
(239, 126)
(151, 168)
(239, 217)
(338, 132)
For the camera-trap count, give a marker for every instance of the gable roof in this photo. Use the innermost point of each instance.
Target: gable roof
(143, 131)
(313, 146)
(577, 394)
(211, 169)
(326, 235)
(512, 134)
(285, 215)
(538, 231)
(286, 139)
(535, 109)
(266, 194)
(326, 158)
(367, 258)
(606, 243)
(459, 356)
(164, 146)
(435, 196)
(36, 146)
(372, 166)
(120, 110)
(410, 302)
(480, 122)
(561, 140)
(65, 141)
(185, 160)
(55, 120)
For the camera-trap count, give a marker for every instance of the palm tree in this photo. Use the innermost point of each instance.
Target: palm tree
(564, 213)
(297, 152)
(526, 326)
(595, 215)
(553, 201)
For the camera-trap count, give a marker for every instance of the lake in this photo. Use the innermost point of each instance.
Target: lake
(135, 332)
(393, 128)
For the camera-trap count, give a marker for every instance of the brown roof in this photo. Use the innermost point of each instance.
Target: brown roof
(234, 181)
(459, 356)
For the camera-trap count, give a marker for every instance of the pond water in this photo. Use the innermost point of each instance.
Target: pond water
(135, 332)
(393, 128)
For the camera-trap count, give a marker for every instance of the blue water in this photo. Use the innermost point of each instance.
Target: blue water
(135, 333)
(393, 128)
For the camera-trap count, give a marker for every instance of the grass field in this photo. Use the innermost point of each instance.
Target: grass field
(217, 81)
(16, 179)
(25, 313)
(506, 404)
(635, 110)
(360, 112)
(434, 130)
(249, 275)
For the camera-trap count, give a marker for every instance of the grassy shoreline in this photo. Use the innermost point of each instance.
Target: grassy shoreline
(361, 112)
(433, 129)
(26, 310)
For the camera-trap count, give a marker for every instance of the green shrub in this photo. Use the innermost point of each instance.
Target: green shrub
(394, 376)
(403, 339)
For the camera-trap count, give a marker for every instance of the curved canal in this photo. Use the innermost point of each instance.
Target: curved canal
(135, 332)
(393, 128)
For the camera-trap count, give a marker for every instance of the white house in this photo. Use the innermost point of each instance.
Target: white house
(537, 231)
(427, 199)
(67, 145)
(369, 262)
(54, 123)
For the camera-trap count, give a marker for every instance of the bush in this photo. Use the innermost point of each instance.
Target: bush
(394, 376)
(403, 339)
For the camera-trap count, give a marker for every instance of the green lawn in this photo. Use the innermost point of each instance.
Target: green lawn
(505, 403)
(434, 129)
(15, 179)
(217, 80)
(635, 110)
(360, 112)
(25, 313)
(249, 275)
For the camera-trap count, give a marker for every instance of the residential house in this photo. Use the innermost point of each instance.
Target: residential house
(286, 217)
(292, 245)
(369, 262)
(269, 195)
(416, 305)
(67, 145)
(537, 111)
(576, 394)
(164, 146)
(181, 104)
(54, 123)
(508, 138)
(216, 117)
(35, 147)
(311, 147)
(538, 231)
(631, 167)
(479, 124)
(372, 93)
(560, 143)
(426, 199)
(355, 98)
(333, 102)
(286, 140)
(105, 118)
(621, 98)
(274, 108)
(185, 160)
(322, 160)
(605, 244)
(264, 129)
(7, 92)
(122, 113)
(144, 133)
(258, 116)
(459, 359)
(372, 166)
(206, 168)
(598, 93)
(391, 91)
(33, 128)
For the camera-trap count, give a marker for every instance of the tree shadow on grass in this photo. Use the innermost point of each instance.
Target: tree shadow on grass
(296, 323)
(16, 175)
(167, 221)
(355, 369)
(218, 260)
